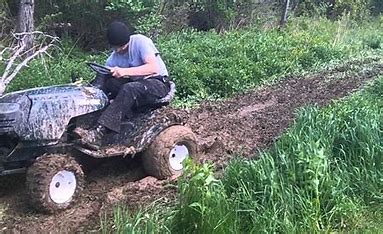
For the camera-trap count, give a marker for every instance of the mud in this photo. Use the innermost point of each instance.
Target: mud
(240, 126)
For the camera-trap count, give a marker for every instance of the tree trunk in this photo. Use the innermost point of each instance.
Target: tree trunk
(26, 24)
(284, 15)
(330, 9)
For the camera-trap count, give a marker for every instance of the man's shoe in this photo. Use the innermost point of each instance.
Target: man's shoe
(90, 138)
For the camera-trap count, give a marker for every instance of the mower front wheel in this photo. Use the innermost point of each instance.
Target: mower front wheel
(54, 182)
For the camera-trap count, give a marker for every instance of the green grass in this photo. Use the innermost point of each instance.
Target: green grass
(207, 65)
(323, 175)
(147, 220)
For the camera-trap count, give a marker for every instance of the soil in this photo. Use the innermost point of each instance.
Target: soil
(240, 126)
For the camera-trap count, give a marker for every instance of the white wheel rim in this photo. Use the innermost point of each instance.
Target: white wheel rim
(62, 186)
(177, 155)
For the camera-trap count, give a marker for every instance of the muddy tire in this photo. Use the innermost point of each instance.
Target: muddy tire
(54, 182)
(163, 158)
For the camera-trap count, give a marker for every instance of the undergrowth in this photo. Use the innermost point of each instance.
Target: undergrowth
(323, 175)
(208, 65)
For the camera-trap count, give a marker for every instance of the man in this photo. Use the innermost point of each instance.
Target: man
(139, 78)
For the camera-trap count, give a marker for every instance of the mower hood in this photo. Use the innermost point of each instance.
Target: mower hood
(42, 114)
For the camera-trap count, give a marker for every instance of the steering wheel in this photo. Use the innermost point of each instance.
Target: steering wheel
(99, 69)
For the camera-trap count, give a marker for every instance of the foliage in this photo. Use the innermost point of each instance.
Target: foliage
(5, 22)
(199, 192)
(210, 65)
(86, 20)
(142, 15)
(357, 9)
(207, 64)
(323, 175)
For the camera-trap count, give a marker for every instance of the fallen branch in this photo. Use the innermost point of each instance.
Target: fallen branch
(2, 52)
(18, 53)
(12, 60)
(24, 63)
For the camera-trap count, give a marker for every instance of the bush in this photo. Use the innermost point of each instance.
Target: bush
(357, 9)
(210, 65)
(207, 64)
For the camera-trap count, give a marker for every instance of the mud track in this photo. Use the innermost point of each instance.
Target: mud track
(242, 125)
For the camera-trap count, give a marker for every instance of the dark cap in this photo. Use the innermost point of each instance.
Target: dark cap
(118, 33)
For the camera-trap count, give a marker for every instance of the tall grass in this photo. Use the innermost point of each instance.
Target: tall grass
(200, 191)
(211, 65)
(323, 175)
(153, 218)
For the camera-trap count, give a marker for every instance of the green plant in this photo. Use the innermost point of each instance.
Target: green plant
(144, 220)
(203, 206)
(322, 175)
(357, 9)
(142, 14)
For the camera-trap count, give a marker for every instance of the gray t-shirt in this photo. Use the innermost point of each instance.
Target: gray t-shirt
(139, 48)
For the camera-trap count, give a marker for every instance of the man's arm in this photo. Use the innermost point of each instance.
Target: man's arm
(150, 67)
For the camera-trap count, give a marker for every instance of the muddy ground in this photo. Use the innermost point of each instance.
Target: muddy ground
(242, 125)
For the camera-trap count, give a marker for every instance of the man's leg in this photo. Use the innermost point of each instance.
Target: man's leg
(113, 85)
(132, 95)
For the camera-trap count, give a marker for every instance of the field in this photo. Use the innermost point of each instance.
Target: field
(299, 148)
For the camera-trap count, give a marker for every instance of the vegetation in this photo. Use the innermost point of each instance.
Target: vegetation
(211, 65)
(86, 20)
(323, 175)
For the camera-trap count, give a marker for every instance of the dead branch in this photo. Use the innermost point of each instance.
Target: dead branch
(6, 80)
(2, 52)
(12, 60)
(22, 34)
(18, 53)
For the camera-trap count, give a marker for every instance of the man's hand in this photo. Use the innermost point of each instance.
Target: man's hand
(118, 72)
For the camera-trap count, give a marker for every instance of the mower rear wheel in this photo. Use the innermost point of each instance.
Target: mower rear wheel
(164, 156)
(54, 182)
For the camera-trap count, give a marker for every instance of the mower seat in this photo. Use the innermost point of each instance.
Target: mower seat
(169, 97)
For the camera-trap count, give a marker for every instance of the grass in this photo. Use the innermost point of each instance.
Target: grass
(323, 175)
(208, 65)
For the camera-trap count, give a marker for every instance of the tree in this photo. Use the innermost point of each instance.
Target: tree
(25, 22)
(284, 14)
(23, 49)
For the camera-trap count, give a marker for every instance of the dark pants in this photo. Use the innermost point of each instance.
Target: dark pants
(127, 96)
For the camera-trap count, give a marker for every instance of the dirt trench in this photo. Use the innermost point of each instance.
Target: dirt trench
(242, 125)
